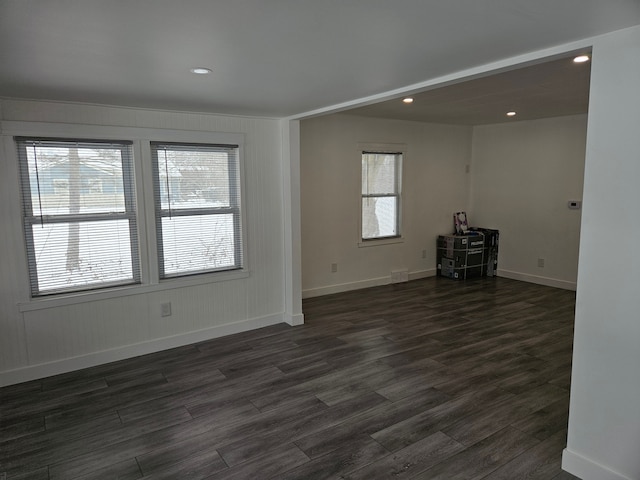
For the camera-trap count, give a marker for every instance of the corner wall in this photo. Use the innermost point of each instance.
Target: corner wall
(522, 176)
(604, 413)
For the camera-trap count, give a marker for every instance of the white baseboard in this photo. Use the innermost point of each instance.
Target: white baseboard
(375, 282)
(549, 282)
(431, 272)
(371, 282)
(586, 469)
(57, 367)
(294, 320)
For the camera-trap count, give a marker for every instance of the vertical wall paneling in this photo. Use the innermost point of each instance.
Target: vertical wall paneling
(14, 286)
(42, 340)
(291, 201)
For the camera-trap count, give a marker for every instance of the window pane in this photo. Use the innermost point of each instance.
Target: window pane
(79, 213)
(378, 173)
(198, 216)
(381, 173)
(198, 243)
(379, 217)
(192, 179)
(71, 180)
(85, 254)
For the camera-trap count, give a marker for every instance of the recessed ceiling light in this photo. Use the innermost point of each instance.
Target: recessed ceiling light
(581, 59)
(201, 70)
(407, 100)
(511, 114)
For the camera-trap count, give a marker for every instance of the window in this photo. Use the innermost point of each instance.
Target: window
(197, 200)
(381, 174)
(78, 214)
(82, 225)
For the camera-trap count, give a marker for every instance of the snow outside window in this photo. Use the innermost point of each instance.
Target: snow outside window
(78, 214)
(197, 200)
(381, 173)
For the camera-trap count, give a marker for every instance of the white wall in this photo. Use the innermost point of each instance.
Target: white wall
(39, 340)
(604, 415)
(434, 186)
(522, 176)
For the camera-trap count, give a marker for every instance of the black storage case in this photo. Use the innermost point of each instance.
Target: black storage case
(467, 256)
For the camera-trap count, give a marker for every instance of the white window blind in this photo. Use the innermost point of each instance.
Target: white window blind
(381, 174)
(78, 214)
(198, 216)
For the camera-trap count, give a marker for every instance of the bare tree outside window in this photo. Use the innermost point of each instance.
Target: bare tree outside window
(79, 214)
(73, 243)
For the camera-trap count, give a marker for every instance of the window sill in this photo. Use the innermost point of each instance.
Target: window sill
(379, 242)
(75, 298)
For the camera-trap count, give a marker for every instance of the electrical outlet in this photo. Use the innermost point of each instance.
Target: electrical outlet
(541, 262)
(424, 254)
(334, 267)
(165, 309)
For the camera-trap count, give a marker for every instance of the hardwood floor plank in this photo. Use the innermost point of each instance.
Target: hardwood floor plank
(367, 422)
(483, 422)
(53, 436)
(126, 470)
(427, 422)
(97, 450)
(248, 447)
(545, 422)
(412, 384)
(541, 462)
(273, 465)
(77, 424)
(207, 432)
(198, 370)
(338, 464)
(565, 476)
(38, 474)
(13, 394)
(200, 465)
(481, 458)
(228, 409)
(49, 401)
(520, 381)
(355, 388)
(20, 427)
(410, 460)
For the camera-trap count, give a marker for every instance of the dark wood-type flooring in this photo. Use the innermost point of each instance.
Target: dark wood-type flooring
(431, 379)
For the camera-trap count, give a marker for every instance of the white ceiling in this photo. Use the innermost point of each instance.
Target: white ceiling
(272, 57)
(550, 89)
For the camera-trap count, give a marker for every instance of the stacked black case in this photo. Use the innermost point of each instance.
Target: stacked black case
(468, 256)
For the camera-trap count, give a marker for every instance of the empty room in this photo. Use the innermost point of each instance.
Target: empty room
(197, 281)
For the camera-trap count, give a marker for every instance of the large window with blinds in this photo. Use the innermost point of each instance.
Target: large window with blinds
(381, 188)
(79, 214)
(197, 205)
